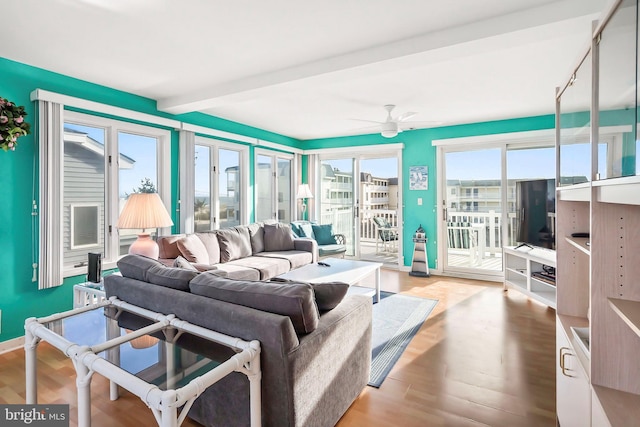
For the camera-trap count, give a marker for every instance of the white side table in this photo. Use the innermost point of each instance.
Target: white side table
(88, 293)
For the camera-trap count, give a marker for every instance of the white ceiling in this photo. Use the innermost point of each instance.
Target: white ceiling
(306, 68)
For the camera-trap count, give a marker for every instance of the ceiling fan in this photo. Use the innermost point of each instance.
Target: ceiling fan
(394, 125)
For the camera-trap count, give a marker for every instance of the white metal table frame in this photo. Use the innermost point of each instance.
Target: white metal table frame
(163, 404)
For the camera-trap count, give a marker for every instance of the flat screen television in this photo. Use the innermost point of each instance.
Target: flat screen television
(535, 212)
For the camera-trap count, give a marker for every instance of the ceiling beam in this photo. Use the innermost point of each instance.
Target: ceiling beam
(436, 46)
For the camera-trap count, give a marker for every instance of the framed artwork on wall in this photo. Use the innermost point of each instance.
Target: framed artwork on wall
(418, 178)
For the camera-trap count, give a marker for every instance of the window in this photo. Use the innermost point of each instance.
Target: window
(219, 171)
(104, 161)
(274, 183)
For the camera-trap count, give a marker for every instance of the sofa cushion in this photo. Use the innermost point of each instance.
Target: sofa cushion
(295, 300)
(238, 272)
(323, 234)
(256, 235)
(210, 241)
(149, 270)
(268, 267)
(234, 243)
(328, 250)
(278, 237)
(296, 259)
(192, 248)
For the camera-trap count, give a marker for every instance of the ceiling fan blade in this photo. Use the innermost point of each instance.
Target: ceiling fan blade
(367, 121)
(418, 125)
(406, 116)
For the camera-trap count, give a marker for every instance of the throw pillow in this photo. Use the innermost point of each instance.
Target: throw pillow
(307, 231)
(296, 230)
(328, 295)
(210, 241)
(324, 234)
(180, 262)
(278, 237)
(234, 244)
(192, 248)
(256, 235)
(293, 300)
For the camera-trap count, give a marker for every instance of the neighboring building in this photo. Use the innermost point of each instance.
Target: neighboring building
(84, 201)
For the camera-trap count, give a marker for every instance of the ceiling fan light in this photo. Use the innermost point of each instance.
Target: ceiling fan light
(389, 129)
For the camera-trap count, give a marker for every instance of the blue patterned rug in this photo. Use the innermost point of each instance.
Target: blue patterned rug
(396, 319)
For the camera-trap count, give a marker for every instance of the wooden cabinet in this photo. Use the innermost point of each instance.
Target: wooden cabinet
(598, 277)
(572, 384)
(521, 264)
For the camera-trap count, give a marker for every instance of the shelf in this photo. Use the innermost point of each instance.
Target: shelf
(575, 193)
(522, 273)
(623, 190)
(629, 311)
(580, 243)
(542, 282)
(620, 407)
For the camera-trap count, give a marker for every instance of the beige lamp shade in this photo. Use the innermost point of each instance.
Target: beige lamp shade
(142, 211)
(304, 192)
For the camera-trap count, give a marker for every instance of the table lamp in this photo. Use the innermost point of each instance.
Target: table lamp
(143, 211)
(304, 192)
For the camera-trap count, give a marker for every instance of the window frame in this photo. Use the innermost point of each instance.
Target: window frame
(275, 156)
(112, 127)
(215, 145)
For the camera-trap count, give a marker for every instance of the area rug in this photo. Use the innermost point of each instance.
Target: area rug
(396, 319)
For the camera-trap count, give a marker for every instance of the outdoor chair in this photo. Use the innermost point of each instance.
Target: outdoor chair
(385, 234)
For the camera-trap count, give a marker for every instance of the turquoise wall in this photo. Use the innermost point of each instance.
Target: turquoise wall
(20, 296)
(419, 151)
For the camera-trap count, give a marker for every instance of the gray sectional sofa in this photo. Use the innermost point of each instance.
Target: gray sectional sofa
(258, 251)
(315, 352)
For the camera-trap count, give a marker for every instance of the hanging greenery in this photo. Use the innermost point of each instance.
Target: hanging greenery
(12, 124)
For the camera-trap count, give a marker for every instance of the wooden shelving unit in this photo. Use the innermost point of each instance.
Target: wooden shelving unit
(598, 278)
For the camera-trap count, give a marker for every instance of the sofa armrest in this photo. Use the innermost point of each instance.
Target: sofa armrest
(332, 364)
(308, 245)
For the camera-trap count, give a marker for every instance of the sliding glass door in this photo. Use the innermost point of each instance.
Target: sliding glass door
(337, 198)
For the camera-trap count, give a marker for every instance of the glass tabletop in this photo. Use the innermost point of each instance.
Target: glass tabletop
(153, 360)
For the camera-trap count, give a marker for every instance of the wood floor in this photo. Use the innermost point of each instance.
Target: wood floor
(484, 357)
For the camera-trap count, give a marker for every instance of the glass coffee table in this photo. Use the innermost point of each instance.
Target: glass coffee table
(165, 376)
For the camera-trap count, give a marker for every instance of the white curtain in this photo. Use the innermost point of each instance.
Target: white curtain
(187, 181)
(50, 141)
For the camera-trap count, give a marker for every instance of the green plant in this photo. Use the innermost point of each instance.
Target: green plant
(12, 124)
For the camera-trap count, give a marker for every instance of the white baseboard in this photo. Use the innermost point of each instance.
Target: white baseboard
(11, 345)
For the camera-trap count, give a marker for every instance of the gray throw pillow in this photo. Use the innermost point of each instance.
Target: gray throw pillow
(234, 244)
(295, 300)
(328, 295)
(278, 237)
(256, 234)
(210, 241)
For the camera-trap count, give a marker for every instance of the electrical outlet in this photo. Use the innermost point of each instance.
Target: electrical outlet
(419, 201)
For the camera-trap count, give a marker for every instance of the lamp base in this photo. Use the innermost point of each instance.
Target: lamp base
(146, 246)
